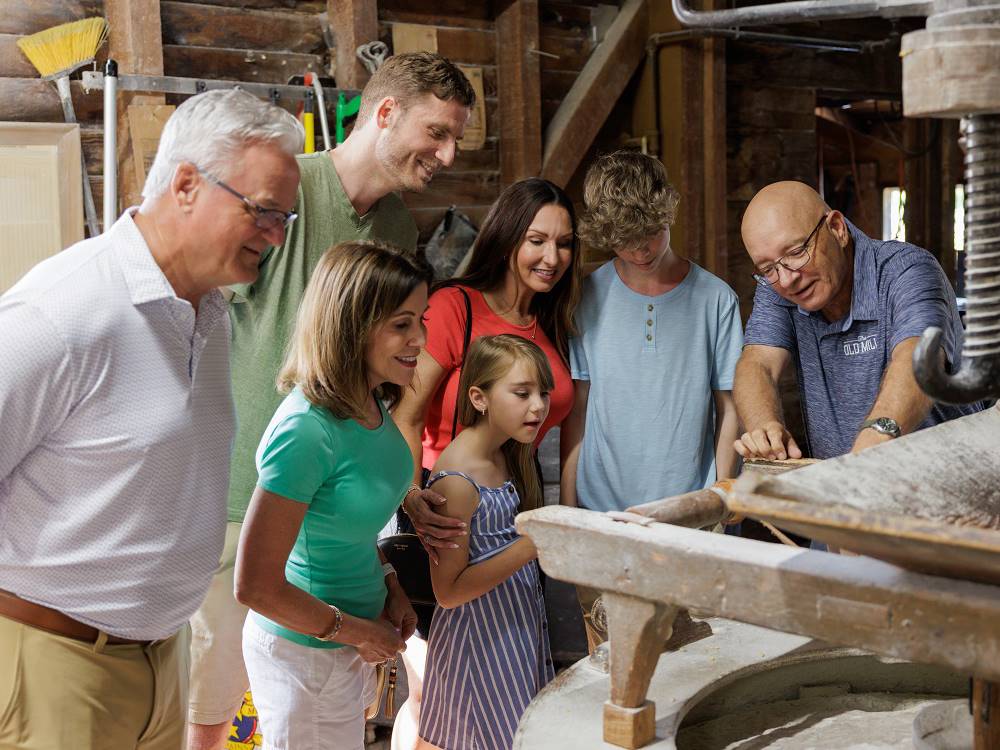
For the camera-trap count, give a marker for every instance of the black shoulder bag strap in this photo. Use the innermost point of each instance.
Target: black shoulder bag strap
(465, 350)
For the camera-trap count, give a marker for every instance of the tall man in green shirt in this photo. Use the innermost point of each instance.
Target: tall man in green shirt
(413, 112)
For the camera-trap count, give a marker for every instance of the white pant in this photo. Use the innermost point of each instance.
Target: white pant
(307, 698)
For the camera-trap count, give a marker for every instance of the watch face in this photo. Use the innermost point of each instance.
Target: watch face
(886, 426)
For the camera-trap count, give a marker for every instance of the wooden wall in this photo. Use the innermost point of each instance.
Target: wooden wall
(270, 40)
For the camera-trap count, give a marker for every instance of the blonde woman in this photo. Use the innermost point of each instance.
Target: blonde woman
(332, 469)
(488, 652)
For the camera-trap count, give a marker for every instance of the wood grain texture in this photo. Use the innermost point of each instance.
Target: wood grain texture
(353, 23)
(595, 93)
(518, 73)
(200, 25)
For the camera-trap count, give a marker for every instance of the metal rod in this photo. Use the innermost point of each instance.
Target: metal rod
(781, 40)
(177, 85)
(799, 11)
(110, 143)
(323, 122)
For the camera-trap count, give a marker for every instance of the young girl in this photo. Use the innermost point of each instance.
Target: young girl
(488, 652)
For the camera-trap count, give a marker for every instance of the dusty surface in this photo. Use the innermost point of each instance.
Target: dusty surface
(944, 473)
(867, 721)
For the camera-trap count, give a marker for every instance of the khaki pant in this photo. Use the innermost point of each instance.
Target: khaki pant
(58, 693)
(218, 677)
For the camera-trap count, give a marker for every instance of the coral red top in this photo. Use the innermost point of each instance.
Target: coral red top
(446, 321)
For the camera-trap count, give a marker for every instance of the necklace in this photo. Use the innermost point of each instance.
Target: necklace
(533, 322)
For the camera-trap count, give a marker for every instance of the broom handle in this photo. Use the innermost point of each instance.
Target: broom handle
(62, 86)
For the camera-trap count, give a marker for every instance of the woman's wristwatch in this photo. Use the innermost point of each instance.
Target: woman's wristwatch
(333, 630)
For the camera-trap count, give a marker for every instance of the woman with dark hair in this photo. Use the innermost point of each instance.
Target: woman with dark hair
(524, 278)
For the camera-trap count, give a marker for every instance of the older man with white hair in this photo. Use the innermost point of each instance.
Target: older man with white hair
(117, 430)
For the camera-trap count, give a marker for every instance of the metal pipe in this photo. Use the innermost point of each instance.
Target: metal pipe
(110, 143)
(800, 10)
(780, 40)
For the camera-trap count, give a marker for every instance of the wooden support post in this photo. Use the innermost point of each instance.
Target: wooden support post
(595, 92)
(519, 91)
(986, 714)
(637, 630)
(136, 43)
(353, 22)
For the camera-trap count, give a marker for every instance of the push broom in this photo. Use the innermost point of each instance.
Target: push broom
(56, 53)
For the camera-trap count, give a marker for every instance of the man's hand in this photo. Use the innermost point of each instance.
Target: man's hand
(434, 530)
(399, 611)
(771, 440)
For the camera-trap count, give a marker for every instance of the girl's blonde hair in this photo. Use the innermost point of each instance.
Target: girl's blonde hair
(488, 360)
(355, 287)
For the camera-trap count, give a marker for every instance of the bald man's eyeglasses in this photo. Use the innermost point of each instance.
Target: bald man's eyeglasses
(793, 260)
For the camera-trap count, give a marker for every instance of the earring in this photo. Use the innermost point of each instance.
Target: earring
(483, 411)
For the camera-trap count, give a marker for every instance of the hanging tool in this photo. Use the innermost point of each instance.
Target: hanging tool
(309, 121)
(311, 79)
(110, 143)
(56, 53)
(372, 55)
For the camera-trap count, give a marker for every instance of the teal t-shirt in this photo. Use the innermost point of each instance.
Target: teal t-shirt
(353, 479)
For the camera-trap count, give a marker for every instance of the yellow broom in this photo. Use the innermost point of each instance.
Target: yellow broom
(56, 53)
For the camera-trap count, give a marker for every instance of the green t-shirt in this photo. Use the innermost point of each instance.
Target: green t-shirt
(353, 479)
(263, 313)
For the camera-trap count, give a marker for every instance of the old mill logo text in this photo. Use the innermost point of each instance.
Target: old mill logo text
(860, 345)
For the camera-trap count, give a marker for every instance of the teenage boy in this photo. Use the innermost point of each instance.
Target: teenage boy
(657, 343)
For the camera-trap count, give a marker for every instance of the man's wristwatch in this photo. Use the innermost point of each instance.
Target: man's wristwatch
(883, 426)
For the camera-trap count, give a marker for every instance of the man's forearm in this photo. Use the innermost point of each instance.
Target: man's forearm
(755, 393)
(727, 430)
(899, 397)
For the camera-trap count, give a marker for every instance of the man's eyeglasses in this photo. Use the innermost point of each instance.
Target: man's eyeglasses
(793, 260)
(263, 218)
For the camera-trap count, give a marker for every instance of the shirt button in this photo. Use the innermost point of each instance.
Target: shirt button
(649, 337)
(649, 322)
(650, 308)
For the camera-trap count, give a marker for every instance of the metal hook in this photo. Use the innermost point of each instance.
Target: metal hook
(977, 379)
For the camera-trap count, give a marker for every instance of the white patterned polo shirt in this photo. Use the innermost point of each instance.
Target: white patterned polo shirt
(116, 425)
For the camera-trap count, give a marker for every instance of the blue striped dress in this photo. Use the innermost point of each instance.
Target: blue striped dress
(487, 658)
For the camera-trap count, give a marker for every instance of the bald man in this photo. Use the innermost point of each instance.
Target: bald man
(847, 310)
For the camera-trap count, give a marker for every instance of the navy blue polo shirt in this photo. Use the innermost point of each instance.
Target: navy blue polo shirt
(899, 290)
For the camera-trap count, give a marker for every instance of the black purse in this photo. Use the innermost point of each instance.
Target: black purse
(413, 566)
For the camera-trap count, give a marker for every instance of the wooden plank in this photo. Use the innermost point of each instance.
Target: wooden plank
(595, 93)
(264, 66)
(572, 50)
(202, 25)
(458, 188)
(353, 22)
(468, 46)
(29, 16)
(871, 75)
(520, 89)
(300, 6)
(136, 42)
(35, 99)
(431, 17)
(13, 63)
(713, 154)
(454, 8)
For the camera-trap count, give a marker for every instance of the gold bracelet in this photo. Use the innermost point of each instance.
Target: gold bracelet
(338, 623)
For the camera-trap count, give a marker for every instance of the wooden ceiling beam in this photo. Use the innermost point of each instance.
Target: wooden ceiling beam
(595, 92)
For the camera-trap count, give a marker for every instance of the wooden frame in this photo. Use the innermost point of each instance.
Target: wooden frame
(41, 203)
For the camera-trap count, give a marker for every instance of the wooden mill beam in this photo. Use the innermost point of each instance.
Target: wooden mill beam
(595, 92)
